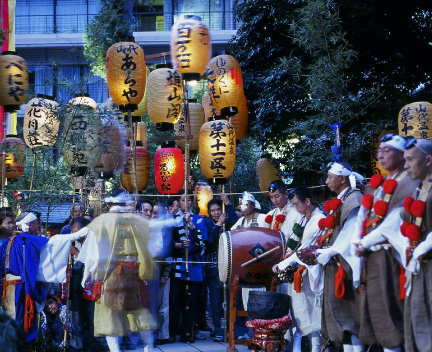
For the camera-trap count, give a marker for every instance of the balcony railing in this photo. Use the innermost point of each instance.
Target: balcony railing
(145, 21)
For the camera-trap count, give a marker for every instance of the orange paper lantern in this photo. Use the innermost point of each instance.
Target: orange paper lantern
(41, 122)
(164, 97)
(217, 150)
(204, 195)
(15, 157)
(190, 46)
(141, 133)
(267, 172)
(240, 120)
(125, 68)
(13, 81)
(209, 110)
(169, 170)
(225, 85)
(142, 169)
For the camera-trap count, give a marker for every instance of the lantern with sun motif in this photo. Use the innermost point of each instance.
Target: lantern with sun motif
(142, 169)
(169, 169)
(190, 46)
(126, 74)
(164, 97)
(13, 81)
(240, 120)
(204, 195)
(217, 150)
(225, 85)
(41, 122)
(196, 116)
(82, 135)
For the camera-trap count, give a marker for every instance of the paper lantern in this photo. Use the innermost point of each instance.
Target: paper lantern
(375, 142)
(82, 135)
(83, 99)
(126, 68)
(190, 46)
(142, 169)
(225, 85)
(113, 152)
(164, 97)
(41, 122)
(197, 119)
(141, 133)
(15, 157)
(217, 150)
(267, 172)
(415, 120)
(204, 195)
(209, 110)
(169, 170)
(142, 106)
(13, 81)
(240, 120)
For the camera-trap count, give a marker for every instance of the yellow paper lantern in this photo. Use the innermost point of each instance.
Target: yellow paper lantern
(209, 110)
(125, 68)
(197, 119)
(15, 157)
(113, 151)
(142, 170)
(217, 150)
(415, 120)
(204, 195)
(164, 97)
(225, 85)
(82, 136)
(240, 120)
(141, 133)
(41, 122)
(267, 172)
(190, 46)
(13, 81)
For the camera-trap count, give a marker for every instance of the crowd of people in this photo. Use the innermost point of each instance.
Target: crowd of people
(357, 269)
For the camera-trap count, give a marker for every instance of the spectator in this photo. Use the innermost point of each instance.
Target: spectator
(53, 320)
(7, 221)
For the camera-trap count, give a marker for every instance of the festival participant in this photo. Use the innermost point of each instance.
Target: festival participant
(250, 217)
(381, 304)
(215, 222)
(186, 278)
(28, 262)
(285, 215)
(414, 243)
(340, 318)
(53, 320)
(116, 257)
(77, 210)
(308, 279)
(7, 223)
(146, 208)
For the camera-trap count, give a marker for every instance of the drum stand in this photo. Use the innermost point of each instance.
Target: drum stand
(234, 313)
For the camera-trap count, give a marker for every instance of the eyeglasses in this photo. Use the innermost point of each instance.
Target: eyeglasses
(387, 137)
(411, 143)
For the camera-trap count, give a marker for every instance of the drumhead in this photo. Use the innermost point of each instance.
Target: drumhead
(225, 257)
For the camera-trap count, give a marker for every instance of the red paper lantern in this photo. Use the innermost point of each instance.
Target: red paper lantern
(169, 170)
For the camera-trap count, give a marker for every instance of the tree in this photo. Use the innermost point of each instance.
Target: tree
(307, 64)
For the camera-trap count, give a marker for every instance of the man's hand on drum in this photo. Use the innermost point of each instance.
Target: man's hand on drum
(276, 269)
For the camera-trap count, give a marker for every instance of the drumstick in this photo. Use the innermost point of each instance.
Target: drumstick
(253, 260)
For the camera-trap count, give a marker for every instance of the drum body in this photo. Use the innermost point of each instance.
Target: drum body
(239, 246)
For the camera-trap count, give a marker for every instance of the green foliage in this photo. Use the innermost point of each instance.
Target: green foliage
(107, 28)
(307, 64)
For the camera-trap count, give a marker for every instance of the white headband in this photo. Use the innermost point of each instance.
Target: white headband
(397, 142)
(340, 170)
(27, 219)
(246, 196)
